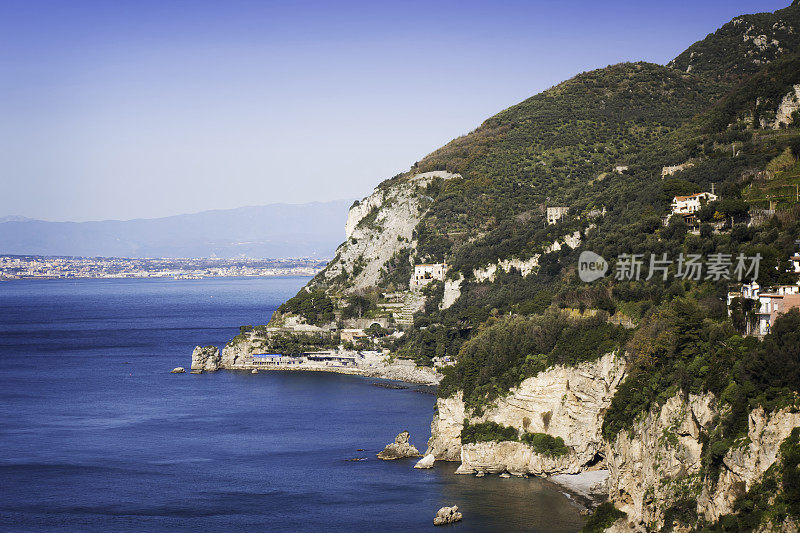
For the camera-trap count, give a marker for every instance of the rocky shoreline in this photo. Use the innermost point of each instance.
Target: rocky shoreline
(378, 366)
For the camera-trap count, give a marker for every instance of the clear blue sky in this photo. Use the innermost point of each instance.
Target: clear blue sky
(134, 108)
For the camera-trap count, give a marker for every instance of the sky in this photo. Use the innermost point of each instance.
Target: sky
(139, 108)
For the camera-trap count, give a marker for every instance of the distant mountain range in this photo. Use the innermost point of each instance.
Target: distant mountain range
(269, 231)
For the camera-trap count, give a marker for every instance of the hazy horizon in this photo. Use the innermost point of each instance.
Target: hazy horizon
(9, 217)
(121, 111)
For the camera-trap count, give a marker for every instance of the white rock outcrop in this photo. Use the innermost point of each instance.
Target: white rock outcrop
(515, 458)
(399, 449)
(784, 115)
(426, 462)
(379, 226)
(452, 291)
(445, 441)
(205, 358)
(236, 354)
(565, 402)
(669, 171)
(447, 515)
(523, 266)
(659, 461)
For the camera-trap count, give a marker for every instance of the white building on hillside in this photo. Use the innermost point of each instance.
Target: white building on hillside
(556, 214)
(686, 205)
(426, 273)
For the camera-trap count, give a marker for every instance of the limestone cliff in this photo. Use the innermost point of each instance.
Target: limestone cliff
(786, 112)
(658, 463)
(377, 228)
(566, 402)
(655, 466)
(205, 358)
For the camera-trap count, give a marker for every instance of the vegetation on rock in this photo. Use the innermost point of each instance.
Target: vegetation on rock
(510, 350)
(602, 518)
(772, 502)
(541, 443)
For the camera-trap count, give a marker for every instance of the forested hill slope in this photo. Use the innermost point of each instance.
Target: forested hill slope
(744, 45)
(596, 143)
(560, 147)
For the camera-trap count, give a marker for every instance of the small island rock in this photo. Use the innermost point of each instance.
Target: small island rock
(447, 515)
(205, 358)
(426, 462)
(399, 449)
(178, 370)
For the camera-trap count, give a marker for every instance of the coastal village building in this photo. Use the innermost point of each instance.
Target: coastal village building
(687, 207)
(331, 358)
(275, 359)
(769, 305)
(556, 214)
(307, 360)
(772, 305)
(353, 335)
(424, 274)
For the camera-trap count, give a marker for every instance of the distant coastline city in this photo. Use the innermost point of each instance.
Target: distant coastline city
(15, 267)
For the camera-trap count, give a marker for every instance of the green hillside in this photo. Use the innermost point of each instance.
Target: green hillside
(549, 148)
(743, 46)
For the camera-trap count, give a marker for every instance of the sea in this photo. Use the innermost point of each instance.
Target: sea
(96, 434)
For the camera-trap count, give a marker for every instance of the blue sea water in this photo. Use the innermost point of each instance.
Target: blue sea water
(97, 435)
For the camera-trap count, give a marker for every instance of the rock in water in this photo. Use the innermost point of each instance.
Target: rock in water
(205, 358)
(426, 462)
(399, 449)
(447, 515)
(178, 370)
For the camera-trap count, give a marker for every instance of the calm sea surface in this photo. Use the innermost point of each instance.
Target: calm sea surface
(97, 435)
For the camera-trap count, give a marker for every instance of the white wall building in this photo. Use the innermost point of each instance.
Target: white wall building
(424, 274)
(556, 214)
(686, 205)
(795, 259)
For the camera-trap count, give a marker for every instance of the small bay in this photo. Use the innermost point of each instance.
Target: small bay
(97, 435)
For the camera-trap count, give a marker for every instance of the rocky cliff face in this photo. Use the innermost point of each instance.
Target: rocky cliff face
(232, 356)
(206, 358)
(786, 112)
(378, 227)
(658, 463)
(562, 401)
(234, 353)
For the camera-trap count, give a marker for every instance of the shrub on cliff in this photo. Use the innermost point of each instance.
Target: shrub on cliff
(679, 349)
(492, 431)
(602, 518)
(486, 432)
(315, 306)
(771, 501)
(545, 444)
(510, 350)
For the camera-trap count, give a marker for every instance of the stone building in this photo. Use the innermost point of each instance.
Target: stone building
(426, 273)
(556, 214)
